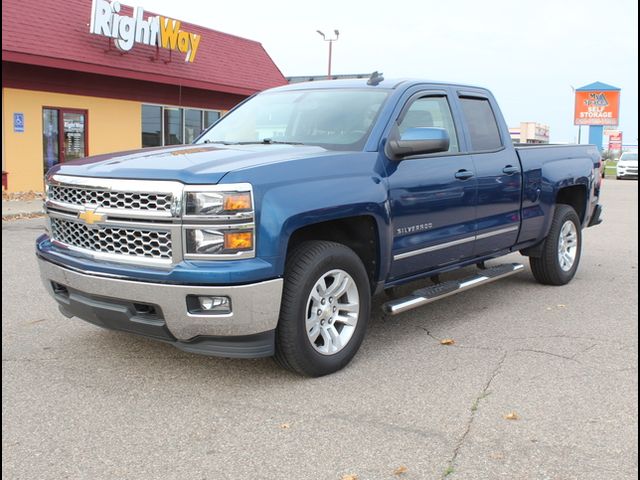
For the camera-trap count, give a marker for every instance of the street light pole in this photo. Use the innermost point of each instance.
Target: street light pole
(330, 40)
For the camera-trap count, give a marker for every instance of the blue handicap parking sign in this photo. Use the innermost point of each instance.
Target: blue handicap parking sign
(18, 122)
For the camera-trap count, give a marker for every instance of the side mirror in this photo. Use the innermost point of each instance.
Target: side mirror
(418, 141)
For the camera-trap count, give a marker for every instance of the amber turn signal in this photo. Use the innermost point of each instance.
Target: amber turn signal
(238, 240)
(237, 201)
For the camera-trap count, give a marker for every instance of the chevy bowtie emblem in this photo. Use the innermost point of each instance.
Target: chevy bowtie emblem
(90, 217)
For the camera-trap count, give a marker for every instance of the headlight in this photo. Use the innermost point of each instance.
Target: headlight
(218, 222)
(217, 203)
(209, 241)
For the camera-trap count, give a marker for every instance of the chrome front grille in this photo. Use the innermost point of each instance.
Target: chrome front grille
(134, 242)
(110, 198)
(118, 220)
(139, 222)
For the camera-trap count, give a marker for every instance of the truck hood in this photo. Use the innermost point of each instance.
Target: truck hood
(202, 163)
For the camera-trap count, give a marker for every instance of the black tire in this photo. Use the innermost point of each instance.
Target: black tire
(546, 268)
(306, 264)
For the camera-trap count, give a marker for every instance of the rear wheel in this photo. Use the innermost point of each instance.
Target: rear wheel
(325, 308)
(560, 257)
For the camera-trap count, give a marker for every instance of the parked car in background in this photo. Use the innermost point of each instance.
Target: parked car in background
(627, 165)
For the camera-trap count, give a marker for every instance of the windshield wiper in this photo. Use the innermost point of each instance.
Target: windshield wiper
(268, 141)
(222, 142)
(265, 141)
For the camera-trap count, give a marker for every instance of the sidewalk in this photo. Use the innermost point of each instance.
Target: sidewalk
(16, 209)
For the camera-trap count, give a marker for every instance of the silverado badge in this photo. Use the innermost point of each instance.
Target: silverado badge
(90, 217)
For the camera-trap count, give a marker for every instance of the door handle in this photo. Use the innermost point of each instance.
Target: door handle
(463, 174)
(510, 170)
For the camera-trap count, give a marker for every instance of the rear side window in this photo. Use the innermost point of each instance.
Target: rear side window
(482, 124)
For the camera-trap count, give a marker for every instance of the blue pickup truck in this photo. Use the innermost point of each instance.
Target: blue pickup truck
(270, 233)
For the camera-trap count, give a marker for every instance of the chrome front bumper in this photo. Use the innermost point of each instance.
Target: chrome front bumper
(255, 307)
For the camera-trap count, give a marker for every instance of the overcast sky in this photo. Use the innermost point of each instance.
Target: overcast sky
(528, 53)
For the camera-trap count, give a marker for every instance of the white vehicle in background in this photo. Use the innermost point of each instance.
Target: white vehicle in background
(627, 165)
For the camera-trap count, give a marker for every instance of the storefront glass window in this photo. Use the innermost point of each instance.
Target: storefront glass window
(74, 135)
(172, 126)
(151, 126)
(164, 125)
(50, 138)
(192, 124)
(210, 117)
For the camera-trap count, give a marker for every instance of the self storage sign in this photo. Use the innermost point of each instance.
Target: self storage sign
(126, 31)
(594, 107)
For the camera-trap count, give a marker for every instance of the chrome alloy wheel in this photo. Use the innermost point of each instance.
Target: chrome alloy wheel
(567, 245)
(332, 312)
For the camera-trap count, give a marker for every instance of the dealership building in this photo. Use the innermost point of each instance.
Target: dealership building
(82, 78)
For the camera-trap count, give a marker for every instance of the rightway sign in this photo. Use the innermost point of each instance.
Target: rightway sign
(597, 106)
(107, 21)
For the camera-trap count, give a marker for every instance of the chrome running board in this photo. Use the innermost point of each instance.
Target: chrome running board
(445, 289)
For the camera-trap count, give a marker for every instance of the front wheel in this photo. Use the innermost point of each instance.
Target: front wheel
(325, 308)
(561, 251)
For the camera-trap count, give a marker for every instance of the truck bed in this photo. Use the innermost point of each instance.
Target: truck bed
(545, 169)
(534, 156)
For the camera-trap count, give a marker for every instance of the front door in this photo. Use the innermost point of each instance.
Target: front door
(64, 134)
(432, 197)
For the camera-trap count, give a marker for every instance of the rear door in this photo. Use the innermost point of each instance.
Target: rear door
(498, 172)
(432, 197)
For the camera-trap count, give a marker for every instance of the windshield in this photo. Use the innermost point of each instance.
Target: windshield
(335, 119)
(629, 156)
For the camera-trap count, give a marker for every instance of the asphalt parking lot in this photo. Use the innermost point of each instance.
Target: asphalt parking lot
(82, 402)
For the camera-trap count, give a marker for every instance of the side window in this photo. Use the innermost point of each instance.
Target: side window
(431, 112)
(482, 124)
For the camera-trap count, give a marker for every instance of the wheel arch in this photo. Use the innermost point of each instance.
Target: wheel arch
(359, 233)
(576, 196)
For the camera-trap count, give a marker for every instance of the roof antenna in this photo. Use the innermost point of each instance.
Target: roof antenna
(375, 78)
